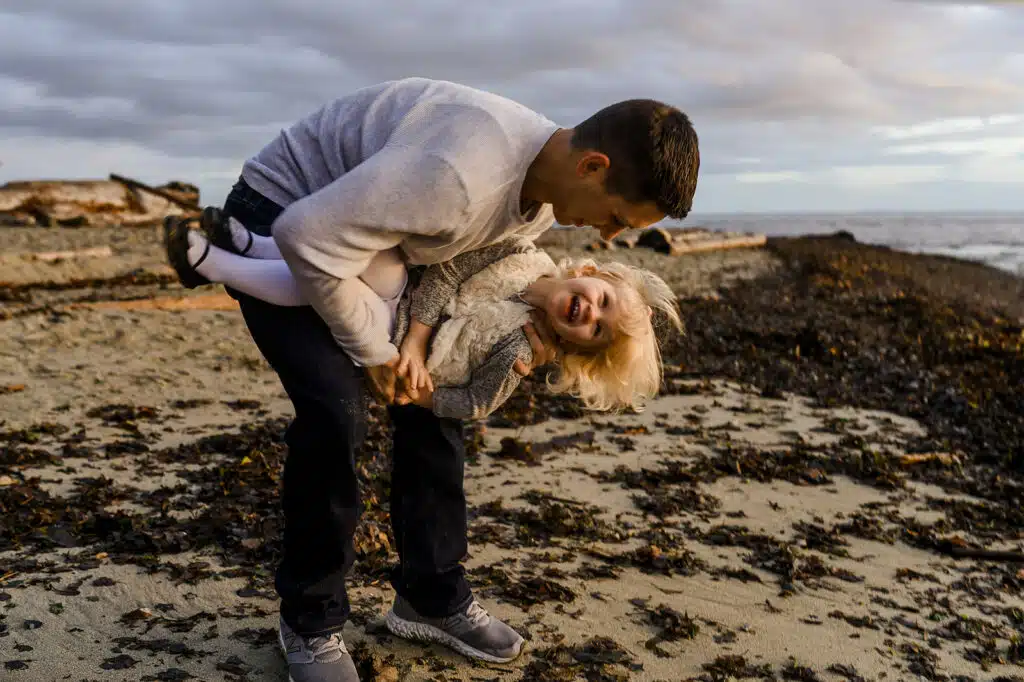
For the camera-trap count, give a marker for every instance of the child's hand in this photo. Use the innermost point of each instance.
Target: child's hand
(412, 363)
(412, 367)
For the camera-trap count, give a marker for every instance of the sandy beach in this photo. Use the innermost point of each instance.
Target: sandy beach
(837, 447)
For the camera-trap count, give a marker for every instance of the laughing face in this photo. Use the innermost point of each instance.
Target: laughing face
(583, 311)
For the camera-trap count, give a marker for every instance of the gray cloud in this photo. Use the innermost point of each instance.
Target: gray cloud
(773, 85)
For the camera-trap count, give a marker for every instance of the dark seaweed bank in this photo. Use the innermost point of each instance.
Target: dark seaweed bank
(931, 338)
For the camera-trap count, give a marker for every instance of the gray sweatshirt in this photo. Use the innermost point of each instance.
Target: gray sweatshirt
(432, 167)
(493, 381)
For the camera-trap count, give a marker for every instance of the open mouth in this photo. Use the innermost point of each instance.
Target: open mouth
(574, 309)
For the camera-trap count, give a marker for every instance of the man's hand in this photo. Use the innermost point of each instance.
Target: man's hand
(542, 343)
(424, 397)
(382, 381)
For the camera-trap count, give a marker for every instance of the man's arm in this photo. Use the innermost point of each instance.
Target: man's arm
(329, 237)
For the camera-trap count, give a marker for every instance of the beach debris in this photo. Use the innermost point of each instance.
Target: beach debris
(679, 241)
(547, 518)
(531, 453)
(947, 547)
(55, 256)
(169, 675)
(944, 458)
(376, 667)
(657, 238)
(177, 193)
(88, 203)
(846, 671)
(215, 301)
(599, 659)
(793, 670)
(736, 667)
(653, 559)
(953, 367)
(671, 625)
(524, 592)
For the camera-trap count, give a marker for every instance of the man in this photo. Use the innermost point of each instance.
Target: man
(435, 169)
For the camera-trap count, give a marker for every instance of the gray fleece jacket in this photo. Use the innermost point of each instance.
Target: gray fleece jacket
(431, 167)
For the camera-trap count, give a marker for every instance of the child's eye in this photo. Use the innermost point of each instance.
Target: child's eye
(597, 330)
(604, 300)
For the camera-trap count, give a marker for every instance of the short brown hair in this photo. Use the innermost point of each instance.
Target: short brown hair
(653, 150)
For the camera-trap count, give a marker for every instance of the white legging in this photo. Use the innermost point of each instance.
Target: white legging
(269, 279)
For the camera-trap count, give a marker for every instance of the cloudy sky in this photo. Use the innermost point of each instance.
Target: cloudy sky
(801, 105)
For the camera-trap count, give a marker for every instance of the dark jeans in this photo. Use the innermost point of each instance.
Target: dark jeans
(321, 496)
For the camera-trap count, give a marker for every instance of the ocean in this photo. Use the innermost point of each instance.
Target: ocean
(993, 238)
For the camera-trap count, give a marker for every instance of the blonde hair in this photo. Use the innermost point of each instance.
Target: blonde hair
(628, 371)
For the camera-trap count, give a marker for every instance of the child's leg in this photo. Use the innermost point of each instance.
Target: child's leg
(386, 274)
(252, 245)
(267, 280)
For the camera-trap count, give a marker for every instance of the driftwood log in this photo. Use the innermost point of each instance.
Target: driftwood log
(115, 201)
(163, 194)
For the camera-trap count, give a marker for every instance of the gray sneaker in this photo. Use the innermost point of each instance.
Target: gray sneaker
(316, 659)
(473, 632)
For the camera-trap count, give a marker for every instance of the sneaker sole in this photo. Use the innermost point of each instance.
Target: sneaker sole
(422, 632)
(284, 652)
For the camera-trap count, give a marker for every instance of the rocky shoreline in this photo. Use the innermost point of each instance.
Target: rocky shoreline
(829, 488)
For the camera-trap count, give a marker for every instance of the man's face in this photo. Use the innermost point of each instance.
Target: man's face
(586, 202)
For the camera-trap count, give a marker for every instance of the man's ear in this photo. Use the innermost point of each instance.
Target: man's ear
(592, 162)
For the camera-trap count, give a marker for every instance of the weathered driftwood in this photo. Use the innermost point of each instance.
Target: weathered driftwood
(676, 242)
(55, 256)
(88, 203)
(215, 301)
(681, 246)
(51, 256)
(187, 202)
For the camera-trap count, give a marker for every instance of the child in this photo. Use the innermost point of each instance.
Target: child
(459, 328)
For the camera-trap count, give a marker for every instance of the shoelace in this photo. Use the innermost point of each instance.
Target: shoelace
(324, 649)
(477, 615)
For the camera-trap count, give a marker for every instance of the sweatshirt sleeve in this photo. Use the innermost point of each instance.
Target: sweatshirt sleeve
(329, 237)
(440, 282)
(490, 384)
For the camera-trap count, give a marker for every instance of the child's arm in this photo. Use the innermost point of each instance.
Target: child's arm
(440, 282)
(412, 364)
(490, 385)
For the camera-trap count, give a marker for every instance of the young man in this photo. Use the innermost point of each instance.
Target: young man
(434, 169)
